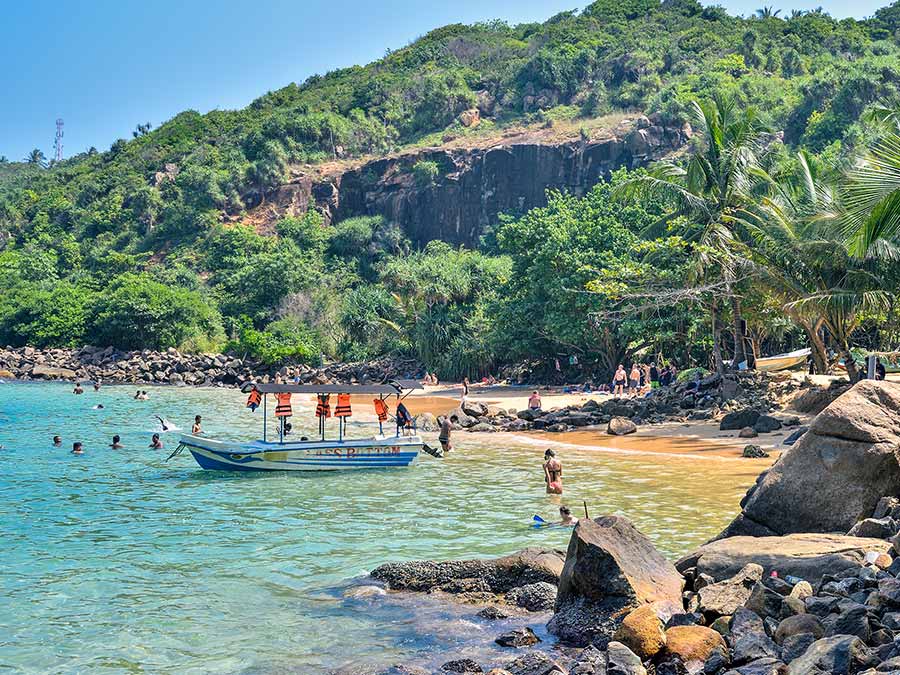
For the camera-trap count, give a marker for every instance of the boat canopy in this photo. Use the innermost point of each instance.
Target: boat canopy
(389, 389)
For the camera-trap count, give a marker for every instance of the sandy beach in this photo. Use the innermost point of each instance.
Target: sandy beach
(691, 439)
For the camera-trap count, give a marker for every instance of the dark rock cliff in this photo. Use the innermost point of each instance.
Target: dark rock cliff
(474, 185)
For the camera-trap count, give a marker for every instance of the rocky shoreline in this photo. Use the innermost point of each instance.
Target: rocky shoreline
(795, 599)
(172, 367)
(738, 401)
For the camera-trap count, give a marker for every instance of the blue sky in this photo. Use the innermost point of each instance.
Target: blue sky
(105, 66)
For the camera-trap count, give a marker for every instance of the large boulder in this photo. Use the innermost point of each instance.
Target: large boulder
(50, 373)
(723, 598)
(838, 655)
(807, 556)
(620, 426)
(497, 575)
(836, 473)
(610, 569)
(738, 420)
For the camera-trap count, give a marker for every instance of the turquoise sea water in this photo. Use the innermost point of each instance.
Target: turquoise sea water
(120, 562)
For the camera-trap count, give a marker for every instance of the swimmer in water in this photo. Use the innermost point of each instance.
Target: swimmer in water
(77, 448)
(57, 441)
(137, 395)
(196, 430)
(155, 443)
(552, 473)
(162, 423)
(116, 445)
(97, 385)
(566, 517)
(99, 406)
(78, 389)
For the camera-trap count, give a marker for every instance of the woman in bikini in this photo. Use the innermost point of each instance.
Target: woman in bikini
(552, 473)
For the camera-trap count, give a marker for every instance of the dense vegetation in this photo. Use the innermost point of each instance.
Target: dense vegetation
(128, 246)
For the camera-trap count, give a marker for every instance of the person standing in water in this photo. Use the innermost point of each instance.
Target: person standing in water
(116, 445)
(196, 430)
(552, 473)
(444, 436)
(78, 389)
(155, 443)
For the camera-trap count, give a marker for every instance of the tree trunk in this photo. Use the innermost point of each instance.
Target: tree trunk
(852, 371)
(819, 351)
(716, 336)
(740, 349)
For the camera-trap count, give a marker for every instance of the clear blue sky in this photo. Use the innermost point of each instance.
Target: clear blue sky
(107, 65)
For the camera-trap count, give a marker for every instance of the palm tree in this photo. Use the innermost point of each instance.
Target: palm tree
(36, 157)
(714, 185)
(803, 258)
(872, 193)
(767, 12)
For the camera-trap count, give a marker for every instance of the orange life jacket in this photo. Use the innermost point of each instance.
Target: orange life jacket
(381, 410)
(283, 409)
(342, 409)
(323, 408)
(254, 399)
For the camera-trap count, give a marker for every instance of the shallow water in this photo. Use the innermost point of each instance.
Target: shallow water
(118, 561)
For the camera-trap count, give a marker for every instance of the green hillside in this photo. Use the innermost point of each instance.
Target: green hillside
(125, 246)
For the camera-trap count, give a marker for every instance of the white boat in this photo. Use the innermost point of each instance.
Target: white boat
(379, 451)
(783, 361)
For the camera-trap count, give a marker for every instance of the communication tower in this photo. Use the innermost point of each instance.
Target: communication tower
(58, 143)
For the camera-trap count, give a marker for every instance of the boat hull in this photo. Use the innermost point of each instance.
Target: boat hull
(378, 453)
(782, 361)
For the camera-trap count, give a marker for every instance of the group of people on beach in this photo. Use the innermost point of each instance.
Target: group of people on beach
(642, 378)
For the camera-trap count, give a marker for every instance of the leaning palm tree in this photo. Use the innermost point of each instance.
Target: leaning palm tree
(767, 12)
(714, 184)
(802, 257)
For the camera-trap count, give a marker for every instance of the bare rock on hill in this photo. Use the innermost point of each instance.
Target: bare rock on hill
(808, 556)
(486, 576)
(836, 473)
(611, 568)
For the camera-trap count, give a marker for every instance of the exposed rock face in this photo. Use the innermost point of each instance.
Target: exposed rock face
(474, 184)
(808, 556)
(610, 569)
(836, 473)
(524, 572)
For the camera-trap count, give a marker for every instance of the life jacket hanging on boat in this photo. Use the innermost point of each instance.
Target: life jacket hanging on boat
(254, 399)
(283, 409)
(342, 409)
(323, 406)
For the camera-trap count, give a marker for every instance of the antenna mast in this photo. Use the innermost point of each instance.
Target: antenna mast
(58, 143)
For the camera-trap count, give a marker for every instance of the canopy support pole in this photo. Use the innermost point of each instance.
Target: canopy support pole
(264, 417)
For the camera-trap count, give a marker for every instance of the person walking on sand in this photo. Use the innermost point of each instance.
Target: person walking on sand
(444, 436)
(116, 445)
(552, 473)
(196, 430)
(534, 401)
(619, 380)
